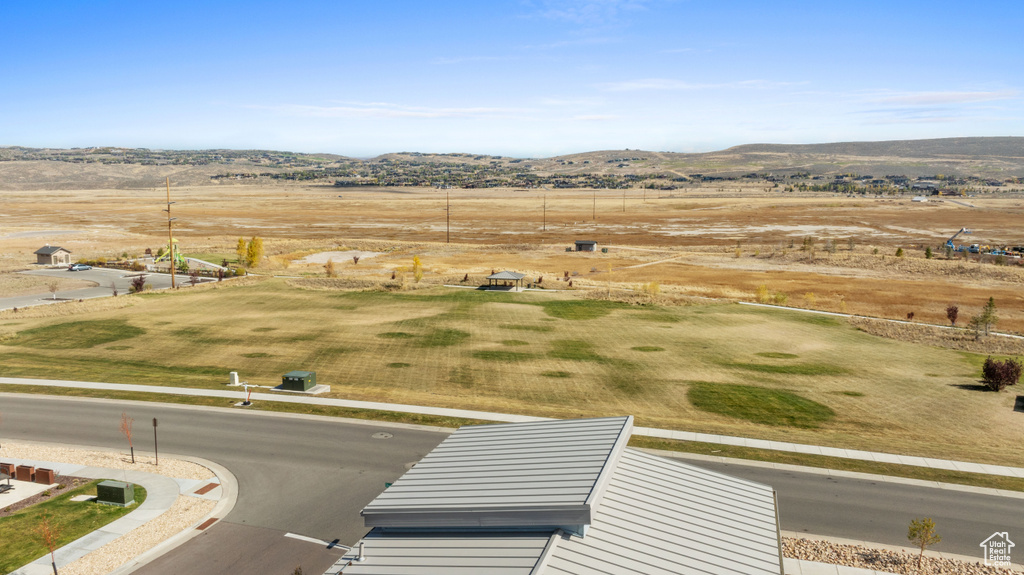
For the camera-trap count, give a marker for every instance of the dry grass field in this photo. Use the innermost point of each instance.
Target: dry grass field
(685, 363)
(711, 243)
(717, 368)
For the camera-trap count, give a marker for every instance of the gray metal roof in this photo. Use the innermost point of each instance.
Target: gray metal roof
(448, 554)
(506, 276)
(544, 474)
(663, 517)
(646, 514)
(50, 250)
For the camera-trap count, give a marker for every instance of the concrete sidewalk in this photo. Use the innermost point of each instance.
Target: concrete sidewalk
(239, 394)
(161, 493)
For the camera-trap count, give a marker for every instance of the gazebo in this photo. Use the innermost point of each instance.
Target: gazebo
(503, 279)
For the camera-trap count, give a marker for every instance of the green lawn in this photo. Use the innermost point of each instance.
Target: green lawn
(19, 544)
(762, 373)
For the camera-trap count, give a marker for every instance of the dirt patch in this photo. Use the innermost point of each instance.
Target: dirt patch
(336, 257)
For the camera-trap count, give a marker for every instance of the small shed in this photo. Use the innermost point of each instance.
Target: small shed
(506, 279)
(586, 246)
(53, 255)
(298, 380)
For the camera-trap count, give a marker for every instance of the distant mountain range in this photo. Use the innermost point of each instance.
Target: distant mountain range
(995, 158)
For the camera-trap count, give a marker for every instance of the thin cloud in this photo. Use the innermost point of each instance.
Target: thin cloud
(594, 118)
(939, 98)
(387, 110)
(470, 59)
(588, 12)
(668, 84)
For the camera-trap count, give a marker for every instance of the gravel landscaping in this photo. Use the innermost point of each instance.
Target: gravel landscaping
(183, 513)
(881, 559)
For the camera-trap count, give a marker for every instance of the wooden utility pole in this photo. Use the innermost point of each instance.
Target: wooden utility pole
(170, 235)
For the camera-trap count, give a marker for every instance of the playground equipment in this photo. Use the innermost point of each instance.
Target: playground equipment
(172, 254)
(960, 248)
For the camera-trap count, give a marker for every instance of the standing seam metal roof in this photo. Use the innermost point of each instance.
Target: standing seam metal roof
(645, 514)
(538, 474)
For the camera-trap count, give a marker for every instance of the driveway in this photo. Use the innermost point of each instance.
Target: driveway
(103, 278)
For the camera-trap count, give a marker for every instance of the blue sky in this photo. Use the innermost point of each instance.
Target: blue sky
(526, 78)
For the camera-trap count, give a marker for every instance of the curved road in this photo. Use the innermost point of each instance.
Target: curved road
(312, 475)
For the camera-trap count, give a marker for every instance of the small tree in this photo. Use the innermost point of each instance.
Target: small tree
(928, 253)
(988, 315)
(126, 430)
(922, 533)
(49, 534)
(138, 284)
(241, 251)
(910, 316)
(254, 253)
(417, 269)
(52, 286)
(952, 312)
(762, 294)
(355, 260)
(998, 375)
(329, 268)
(899, 252)
(193, 277)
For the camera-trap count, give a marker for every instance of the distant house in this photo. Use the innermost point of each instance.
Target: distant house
(53, 256)
(586, 246)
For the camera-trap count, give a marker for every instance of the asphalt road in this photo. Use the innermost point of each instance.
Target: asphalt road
(311, 476)
(102, 277)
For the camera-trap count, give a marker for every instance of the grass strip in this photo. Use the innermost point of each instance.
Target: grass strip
(834, 463)
(70, 520)
(715, 449)
(275, 406)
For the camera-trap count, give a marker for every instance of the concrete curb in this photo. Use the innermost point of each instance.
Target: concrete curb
(229, 495)
(162, 492)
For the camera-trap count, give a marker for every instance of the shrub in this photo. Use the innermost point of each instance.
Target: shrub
(928, 253)
(762, 294)
(138, 284)
(997, 375)
(899, 252)
(952, 312)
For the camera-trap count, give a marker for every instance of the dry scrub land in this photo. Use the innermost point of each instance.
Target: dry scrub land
(720, 242)
(718, 368)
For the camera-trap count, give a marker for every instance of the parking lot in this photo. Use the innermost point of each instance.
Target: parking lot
(106, 281)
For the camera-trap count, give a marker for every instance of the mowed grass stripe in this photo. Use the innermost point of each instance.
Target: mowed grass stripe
(912, 399)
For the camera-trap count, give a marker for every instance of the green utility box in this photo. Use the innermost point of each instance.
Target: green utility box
(298, 380)
(115, 493)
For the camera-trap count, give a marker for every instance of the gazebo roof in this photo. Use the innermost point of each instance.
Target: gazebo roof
(514, 276)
